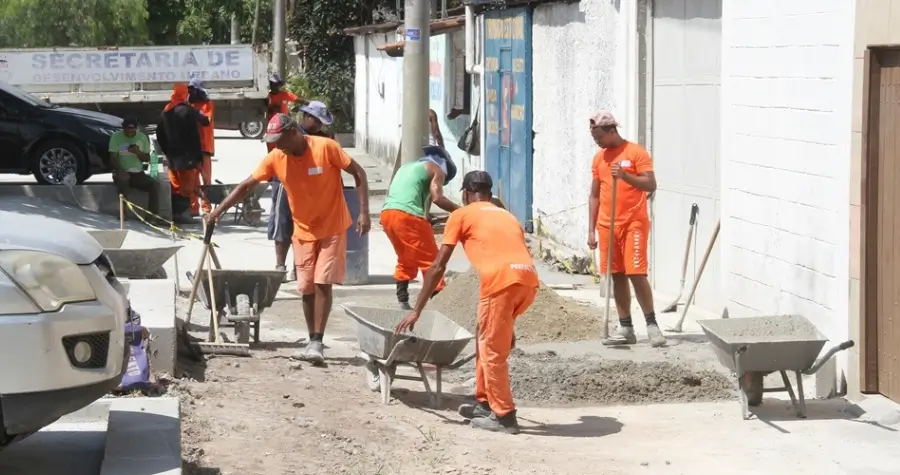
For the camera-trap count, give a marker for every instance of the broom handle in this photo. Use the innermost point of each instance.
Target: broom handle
(609, 255)
(214, 309)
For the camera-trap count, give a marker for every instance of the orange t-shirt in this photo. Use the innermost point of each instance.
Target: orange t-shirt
(495, 245)
(207, 132)
(631, 203)
(314, 188)
(282, 99)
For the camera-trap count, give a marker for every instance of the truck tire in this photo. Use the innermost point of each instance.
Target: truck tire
(252, 130)
(51, 161)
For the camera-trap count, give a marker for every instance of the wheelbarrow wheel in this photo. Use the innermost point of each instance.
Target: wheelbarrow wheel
(373, 379)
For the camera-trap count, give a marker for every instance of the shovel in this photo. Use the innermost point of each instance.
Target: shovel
(692, 228)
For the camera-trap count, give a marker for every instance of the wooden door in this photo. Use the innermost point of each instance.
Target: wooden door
(882, 238)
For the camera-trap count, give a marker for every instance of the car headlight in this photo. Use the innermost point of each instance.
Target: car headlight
(49, 280)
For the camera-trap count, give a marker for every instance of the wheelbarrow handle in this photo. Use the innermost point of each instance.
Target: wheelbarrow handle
(461, 361)
(827, 356)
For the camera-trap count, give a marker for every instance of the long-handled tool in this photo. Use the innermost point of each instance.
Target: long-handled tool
(215, 345)
(604, 324)
(692, 228)
(687, 303)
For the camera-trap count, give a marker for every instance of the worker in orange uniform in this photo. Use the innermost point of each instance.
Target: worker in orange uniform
(495, 245)
(200, 100)
(279, 98)
(179, 137)
(403, 216)
(628, 166)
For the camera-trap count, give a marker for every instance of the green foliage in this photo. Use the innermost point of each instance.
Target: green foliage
(327, 54)
(46, 23)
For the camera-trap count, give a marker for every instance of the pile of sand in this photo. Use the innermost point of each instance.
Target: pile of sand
(548, 379)
(550, 318)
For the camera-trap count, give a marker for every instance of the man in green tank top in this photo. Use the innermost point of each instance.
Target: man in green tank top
(403, 215)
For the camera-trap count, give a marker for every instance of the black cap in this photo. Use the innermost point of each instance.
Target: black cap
(129, 121)
(477, 181)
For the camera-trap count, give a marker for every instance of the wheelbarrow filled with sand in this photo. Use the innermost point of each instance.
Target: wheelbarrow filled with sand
(436, 341)
(757, 346)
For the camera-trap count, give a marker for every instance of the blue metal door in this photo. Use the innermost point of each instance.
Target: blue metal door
(508, 138)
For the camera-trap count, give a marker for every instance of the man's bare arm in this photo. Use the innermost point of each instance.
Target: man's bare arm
(362, 185)
(643, 181)
(593, 205)
(437, 189)
(236, 196)
(433, 276)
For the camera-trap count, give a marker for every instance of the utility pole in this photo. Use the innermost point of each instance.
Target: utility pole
(278, 35)
(255, 23)
(417, 35)
(235, 30)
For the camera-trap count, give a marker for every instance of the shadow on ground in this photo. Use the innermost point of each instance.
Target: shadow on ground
(772, 411)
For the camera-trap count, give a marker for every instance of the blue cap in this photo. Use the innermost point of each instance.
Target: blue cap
(196, 83)
(318, 110)
(437, 151)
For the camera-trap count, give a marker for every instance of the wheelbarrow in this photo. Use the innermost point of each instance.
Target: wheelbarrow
(249, 209)
(241, 296)
(757, 346)
(436, 341)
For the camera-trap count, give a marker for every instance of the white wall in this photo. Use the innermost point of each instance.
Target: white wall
(786, 114)
(581, 63)
(378, 97)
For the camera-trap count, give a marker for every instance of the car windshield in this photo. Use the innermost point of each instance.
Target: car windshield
(24, 96)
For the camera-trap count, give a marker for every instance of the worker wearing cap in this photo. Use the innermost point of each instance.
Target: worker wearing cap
(279, 99)
(629, 166)
(495, 245)
(309, 169)
(129, 150)
(200, 100)
(281, 224)
(403, 216)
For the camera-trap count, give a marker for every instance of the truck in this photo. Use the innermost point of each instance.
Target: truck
(137, 81)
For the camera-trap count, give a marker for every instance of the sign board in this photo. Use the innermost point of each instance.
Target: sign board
(413, 34)
(126, 65)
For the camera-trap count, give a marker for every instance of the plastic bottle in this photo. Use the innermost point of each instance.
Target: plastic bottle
(154, 164)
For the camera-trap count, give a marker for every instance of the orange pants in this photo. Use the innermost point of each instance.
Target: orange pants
(185, 183)
(629, 254)
(496, 321)
(413, 241)
(204, 176)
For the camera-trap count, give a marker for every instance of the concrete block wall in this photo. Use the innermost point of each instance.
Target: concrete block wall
(786, 87)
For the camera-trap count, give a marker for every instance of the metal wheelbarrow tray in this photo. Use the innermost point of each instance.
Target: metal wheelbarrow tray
(241, 296)
(756, 346)
(436, 340)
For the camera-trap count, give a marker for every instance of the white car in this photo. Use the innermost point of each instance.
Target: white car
(62, 318)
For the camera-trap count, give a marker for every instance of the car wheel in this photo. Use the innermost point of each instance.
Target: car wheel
(52, 161)
(252, 130)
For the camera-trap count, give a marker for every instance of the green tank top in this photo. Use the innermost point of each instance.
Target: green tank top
(409, 189)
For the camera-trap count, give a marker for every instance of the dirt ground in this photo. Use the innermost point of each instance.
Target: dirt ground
(550, 318)
(267, 414)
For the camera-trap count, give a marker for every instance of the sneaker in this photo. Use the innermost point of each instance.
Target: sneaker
(656, 337)
(405, 306)
(282, 269)
(623, 336)
(507, 424)
(315, 352)
(472, 411)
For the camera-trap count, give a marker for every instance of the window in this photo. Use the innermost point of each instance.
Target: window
(459, 100)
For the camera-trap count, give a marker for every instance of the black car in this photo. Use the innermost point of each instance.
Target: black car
(50, 141)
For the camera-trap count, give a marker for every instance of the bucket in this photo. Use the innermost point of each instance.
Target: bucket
(357, 246)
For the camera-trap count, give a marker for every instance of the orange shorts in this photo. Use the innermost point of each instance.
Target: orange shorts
(629, 254)
(320, 262)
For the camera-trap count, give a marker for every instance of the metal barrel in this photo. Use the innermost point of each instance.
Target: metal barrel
(357, 246)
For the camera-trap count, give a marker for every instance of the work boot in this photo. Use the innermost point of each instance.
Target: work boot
(507, 424)
(656, 337)
(623, 336)
(472, 411)
(403, 294)
(315, 352)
